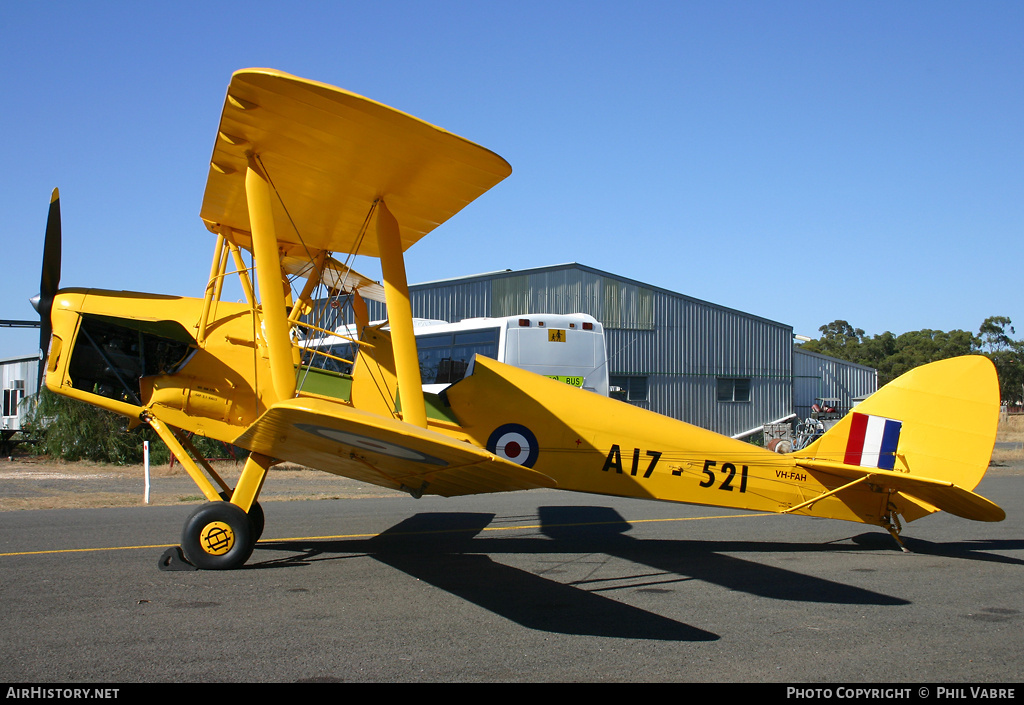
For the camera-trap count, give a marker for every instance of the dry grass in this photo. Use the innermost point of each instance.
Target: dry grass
(1011, 430)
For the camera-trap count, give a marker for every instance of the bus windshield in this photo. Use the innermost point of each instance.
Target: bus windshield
(445, 357)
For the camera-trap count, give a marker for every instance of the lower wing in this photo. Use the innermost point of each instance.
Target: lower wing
(336, 438)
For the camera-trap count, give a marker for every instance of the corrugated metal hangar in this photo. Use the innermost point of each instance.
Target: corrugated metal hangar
(19, 378)
(712, 366)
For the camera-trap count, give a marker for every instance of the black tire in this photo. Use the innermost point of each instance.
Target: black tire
(256, 517)
(256, 521)
(217, 536)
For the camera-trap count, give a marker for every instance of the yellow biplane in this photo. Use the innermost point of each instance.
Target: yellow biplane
(301, 172)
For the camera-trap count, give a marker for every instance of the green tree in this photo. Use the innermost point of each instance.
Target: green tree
(1006, 354)
(920, 347)
(876, 350)
(838, 339)
(73, 430)
(894, 355)
(994, 335)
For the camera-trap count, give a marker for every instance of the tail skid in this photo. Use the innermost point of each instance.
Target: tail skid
(926, 439)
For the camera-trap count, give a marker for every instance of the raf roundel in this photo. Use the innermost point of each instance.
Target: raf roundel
(514, 443)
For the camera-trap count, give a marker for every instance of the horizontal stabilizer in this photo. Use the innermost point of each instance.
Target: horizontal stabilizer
(940, 494)
(952, 499)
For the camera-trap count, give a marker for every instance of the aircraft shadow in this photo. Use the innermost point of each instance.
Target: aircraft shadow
(440, 550)
(447, 551)
(591, 529)
(975, 550)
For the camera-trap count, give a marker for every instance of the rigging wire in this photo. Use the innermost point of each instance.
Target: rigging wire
(342, 286)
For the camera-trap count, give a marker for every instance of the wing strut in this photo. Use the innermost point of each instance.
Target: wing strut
(403, 339)
(823, 495)
(268, 276)
(213, 285)
(168, 436)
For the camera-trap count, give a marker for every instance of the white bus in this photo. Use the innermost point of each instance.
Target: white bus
(569, 348)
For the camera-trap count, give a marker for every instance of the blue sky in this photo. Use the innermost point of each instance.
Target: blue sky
(802, 161)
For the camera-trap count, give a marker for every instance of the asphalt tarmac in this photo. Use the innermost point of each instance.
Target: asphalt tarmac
(541, 586)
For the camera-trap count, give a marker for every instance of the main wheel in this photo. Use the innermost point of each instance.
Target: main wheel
(256, 517)
(217, 536)
(256, 521)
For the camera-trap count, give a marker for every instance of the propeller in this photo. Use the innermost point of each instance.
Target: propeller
(49, 281)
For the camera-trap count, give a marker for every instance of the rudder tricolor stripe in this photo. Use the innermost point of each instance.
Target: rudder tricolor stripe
(873, 441)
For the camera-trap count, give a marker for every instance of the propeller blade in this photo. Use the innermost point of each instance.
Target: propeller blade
(49, 280)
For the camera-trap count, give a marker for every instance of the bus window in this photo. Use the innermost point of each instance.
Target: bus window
(345, 351)
(435, 352)
(444, 357)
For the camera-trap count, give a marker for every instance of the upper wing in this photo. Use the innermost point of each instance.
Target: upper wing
(336, 438)
(329, 155)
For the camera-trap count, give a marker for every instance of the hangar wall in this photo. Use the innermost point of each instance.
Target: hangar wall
(706, 364)
(816, 375)
(19, 380)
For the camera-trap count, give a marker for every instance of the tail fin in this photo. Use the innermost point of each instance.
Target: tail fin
(928, 435)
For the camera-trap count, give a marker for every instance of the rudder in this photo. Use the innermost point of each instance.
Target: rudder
(937, 421)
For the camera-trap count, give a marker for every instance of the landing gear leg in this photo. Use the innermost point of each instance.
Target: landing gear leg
(892, 524)
(248, 489)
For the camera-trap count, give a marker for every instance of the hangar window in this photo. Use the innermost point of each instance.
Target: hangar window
(13, 396)
(734, 389)
(627, 388)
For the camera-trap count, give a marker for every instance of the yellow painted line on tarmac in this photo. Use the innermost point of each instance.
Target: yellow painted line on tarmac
(631, 521)
(519, 527)
(335, 537)
(83, 550)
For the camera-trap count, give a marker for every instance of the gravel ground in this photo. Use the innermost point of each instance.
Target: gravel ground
(39, 483)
